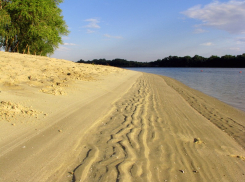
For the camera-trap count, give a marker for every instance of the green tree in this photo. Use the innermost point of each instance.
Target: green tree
(32, 26)
(6, 30)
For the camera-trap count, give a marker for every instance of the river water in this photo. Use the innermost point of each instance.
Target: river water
(225, 84)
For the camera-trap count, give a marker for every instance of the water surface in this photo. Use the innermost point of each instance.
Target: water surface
(225, 84)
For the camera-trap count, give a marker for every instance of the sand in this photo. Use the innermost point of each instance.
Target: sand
(63, 121)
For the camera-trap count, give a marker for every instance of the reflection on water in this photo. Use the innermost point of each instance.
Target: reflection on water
(225, 84)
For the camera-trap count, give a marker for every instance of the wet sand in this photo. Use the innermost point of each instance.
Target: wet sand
(62, 121)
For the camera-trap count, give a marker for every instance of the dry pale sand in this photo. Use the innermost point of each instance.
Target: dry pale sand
(62, 121)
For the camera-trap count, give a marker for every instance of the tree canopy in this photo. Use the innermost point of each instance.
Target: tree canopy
(227, 61)
(31, 26)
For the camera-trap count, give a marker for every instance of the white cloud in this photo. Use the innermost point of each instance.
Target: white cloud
(93, 23)
(115, 37)
(228, 16)
(207, 44)
(71, 44)
(90, 31)
(199, 30)
(241, 40)
(235, 49)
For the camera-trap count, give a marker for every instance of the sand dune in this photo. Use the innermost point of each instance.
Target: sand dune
(110, 124)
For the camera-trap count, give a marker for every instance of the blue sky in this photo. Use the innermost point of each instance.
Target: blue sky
(144, 30)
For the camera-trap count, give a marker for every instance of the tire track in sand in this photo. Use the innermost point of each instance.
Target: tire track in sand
(125, 138)
(148, 136)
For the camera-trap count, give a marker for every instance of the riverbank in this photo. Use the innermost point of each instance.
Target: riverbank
(62, 121)
(225, 84)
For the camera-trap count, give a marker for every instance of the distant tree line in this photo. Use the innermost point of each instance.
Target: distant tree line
(115, 62)
(227, 61)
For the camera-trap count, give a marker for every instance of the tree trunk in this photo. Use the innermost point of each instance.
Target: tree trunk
(16, 46)
(8, 47)
(28, 49)
(10, 44)
(27, 46)
(6, 42)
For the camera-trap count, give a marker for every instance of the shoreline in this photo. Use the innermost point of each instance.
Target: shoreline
(216, 111)
(111, 124)
(230, 100)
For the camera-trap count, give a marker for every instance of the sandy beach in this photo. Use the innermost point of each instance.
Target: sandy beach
(63, 121)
